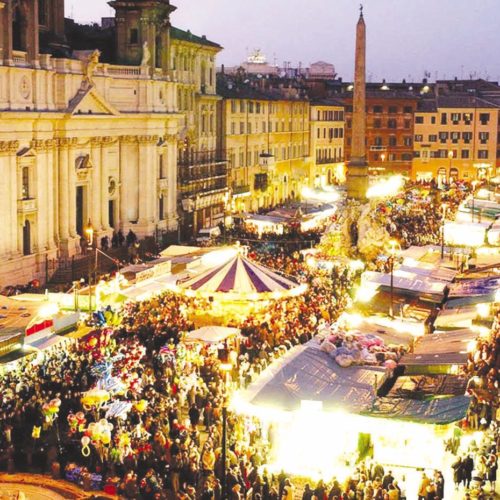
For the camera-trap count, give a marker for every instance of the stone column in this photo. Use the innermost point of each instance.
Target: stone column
(51, 189)
(105, 182)
(357, 173)
(147, 182)
(129, 180)
(63, 201)
(9, 195)
(171, 160)
(7, 19)
(32, 42)
(95, 209)
(72, 187)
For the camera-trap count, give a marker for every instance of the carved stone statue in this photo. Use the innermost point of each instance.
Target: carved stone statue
(92, 62)
(146, 54)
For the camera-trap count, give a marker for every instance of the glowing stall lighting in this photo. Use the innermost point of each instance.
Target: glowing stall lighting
(471, 346)
(497, 296)
(365, 294)
(326, 195)
(483, 194)
(482, 331)
(352, 320)
(386, 188)
(218, 257)
(48, 310)
(356, 265)
(469, 235)
(483, 309)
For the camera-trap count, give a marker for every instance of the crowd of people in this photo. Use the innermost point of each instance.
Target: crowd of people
(415, 216)
(168, 438)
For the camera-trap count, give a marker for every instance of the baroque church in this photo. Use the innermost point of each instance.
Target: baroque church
(112, 125)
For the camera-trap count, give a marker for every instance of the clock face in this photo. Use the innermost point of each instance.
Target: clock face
(112, 186)
(25, 87)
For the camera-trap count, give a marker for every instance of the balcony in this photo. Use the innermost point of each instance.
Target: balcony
(267, 161)
(241, 191)
(26, 206)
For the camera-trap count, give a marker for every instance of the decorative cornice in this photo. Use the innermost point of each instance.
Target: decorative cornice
(43, 144)
(9, 146)
(64, 142)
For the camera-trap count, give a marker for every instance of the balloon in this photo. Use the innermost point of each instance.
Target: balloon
(106, 438)
(80, 416)
(141, 405)
(85, 440)
(56, 402)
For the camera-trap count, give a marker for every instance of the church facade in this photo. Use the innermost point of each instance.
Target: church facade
(83, 139)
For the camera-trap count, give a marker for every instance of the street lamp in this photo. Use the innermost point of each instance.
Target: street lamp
(89, 233)
(393, 245)
(444, 206)
(225, 368)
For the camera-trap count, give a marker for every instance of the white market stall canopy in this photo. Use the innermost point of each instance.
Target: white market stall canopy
(406, 281)
(306, 373)
(212, 334)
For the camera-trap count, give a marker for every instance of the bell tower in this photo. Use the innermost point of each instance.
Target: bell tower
(141, 22)
(357, 169)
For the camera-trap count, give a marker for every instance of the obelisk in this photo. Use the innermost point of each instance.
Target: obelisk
(357, 169)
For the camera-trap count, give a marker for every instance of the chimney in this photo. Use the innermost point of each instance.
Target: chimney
(222, 69)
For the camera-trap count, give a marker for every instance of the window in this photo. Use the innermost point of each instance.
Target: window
(249, 128)
(250, 107)
(378, 109)
(419, 119)
(468, 118)
(416, 154)
(161, 167)
(419, 137)
(349, 109)
(242, 128)
(455, 118)
(377, 123)
(443, 137)
(407, 123)
(393, 109)
(455, 136)
(484, 118)
(484, 137)
(433, 138)
(134, 36)
(257, 107)
(408, 109)
(233, 106)
(482, 154)
(378, 141)
(467, 137)
(233, 128)
(406, 156)
(26, 183)
(349, 123)
(42, 12)
(433, 120)
(407, 141)
(465, 154)
(444, 118)
(242, 106)
(393, 141)
(391, 123)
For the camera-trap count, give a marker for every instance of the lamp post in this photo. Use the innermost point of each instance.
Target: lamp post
(444, 206)
(226, 368)
(89, 233)
(392, 255)
(450, 157)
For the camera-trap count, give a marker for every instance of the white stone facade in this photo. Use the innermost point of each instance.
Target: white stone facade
(79, 142)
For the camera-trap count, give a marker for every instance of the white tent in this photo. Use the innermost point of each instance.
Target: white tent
(212, 334)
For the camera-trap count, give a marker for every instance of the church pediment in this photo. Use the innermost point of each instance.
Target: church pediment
(90, 102)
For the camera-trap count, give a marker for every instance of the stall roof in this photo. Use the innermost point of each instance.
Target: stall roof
(15, 315)
(307, 373)
(440, 411)
(212, 334)
(475, 287)
(428, 386)
(446, 348)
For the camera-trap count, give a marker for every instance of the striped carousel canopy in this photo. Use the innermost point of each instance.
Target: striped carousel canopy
(241, 276)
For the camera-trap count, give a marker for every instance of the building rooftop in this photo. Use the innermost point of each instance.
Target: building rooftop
(187, 36)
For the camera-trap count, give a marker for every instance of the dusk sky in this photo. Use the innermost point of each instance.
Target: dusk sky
(405, 37)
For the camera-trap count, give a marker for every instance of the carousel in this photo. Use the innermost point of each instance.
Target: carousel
(238, 286)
